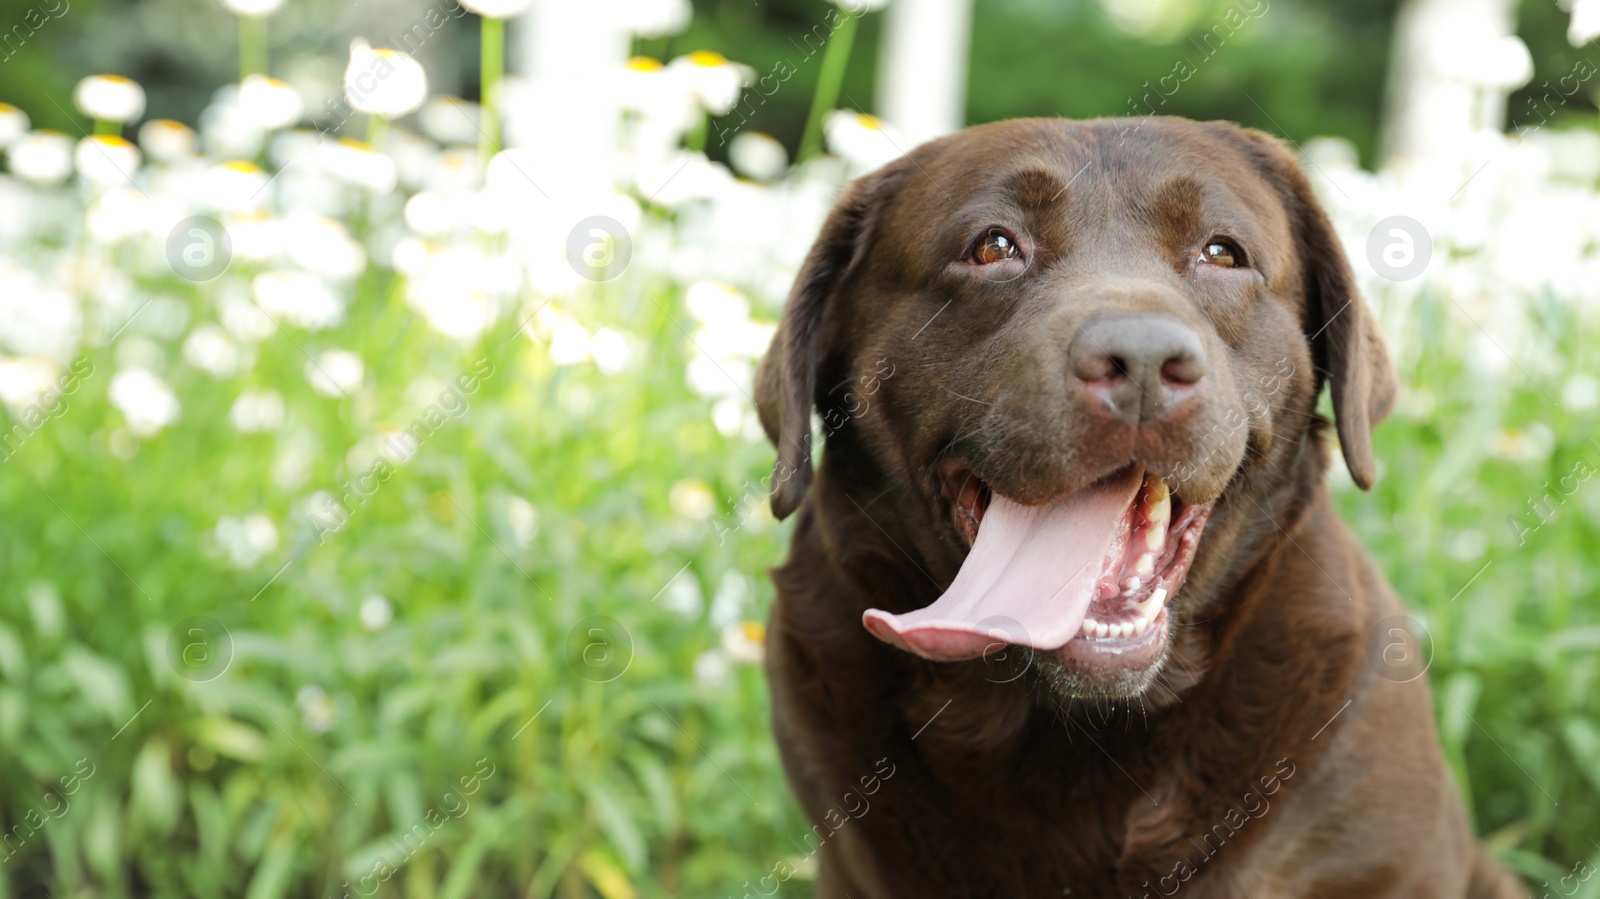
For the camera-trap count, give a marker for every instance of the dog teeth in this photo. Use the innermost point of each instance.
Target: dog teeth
(1152, 604)
(1156, 537)
(1158, 505)
(1145, 565)
(1121, 630)
(1131, 585)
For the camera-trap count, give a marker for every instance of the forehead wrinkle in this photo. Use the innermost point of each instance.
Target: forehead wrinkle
(1033, 189)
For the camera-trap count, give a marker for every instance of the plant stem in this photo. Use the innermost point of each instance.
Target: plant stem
(377, 129)
(493, 69)
(696, 139)
(106, 126)
(252, 46)
(835, 60)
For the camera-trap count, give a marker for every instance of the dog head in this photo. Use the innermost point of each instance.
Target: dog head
(1070, 366)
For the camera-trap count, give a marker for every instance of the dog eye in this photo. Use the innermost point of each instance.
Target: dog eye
(1223, 252)
(996, 246)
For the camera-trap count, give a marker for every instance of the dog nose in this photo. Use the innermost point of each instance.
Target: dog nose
(1143, 368)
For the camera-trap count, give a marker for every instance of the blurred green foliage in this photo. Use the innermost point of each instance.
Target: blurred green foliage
(1301, 68)
(657, 783)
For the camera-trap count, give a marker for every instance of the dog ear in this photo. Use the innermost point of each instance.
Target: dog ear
(786, 380)
(1346, 345)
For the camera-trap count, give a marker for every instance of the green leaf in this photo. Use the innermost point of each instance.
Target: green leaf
(228, 737)
(271, 879)
(1583, 738)
(618, 825)
(103, 684)
(155, 792)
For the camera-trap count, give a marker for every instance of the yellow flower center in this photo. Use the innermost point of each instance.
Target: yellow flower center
(645, 64)
(170, 125)
(117, 79)
(708, 58)
(754, 631)
(241, 165)
(7, 109)
(354, 144)
(111, 140)
(870, 121)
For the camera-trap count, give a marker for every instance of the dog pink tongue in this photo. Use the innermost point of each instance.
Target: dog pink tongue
(1029, 579)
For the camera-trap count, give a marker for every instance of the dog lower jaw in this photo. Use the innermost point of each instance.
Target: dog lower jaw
(1089, 668)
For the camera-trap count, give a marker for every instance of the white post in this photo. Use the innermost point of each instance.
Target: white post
(565, 55)
(1452, 64)
(922, 74)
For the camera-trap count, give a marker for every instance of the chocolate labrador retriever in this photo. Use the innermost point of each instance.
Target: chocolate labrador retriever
(1068, 610)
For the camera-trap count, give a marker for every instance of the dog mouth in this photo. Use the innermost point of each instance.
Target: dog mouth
(1087, 577)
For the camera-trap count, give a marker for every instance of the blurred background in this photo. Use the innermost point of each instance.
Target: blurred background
(380, 506)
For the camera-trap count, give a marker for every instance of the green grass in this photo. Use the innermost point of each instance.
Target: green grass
(655, 783)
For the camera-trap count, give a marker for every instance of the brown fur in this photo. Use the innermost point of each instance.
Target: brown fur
(1009, 781)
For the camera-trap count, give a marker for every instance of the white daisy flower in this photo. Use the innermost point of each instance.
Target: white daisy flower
(745, 642)
(13, 124)
(107, 160)
(228, 130)
(523, 519)
(692, 499)
(711, 667)
(299, 299)
(210, 349)
(145, 400)
(23, 381)
(759, 156)
(1585, 24)
(167, 141)
(121, 213)
(610, 350)
(654, 18)
(273, 104)
(863, 140)
(376, 612)
(256, 411)
(451, 120)
(498, 9)
(336, 373)
(715, 82)
(569, 342)
(41, 157)
(383, 82)
(235, 186)
(355, 163)
(110, 98)
(246, 322)
(246, 540)
(322, 246)
(253, 8)
(317, 710)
